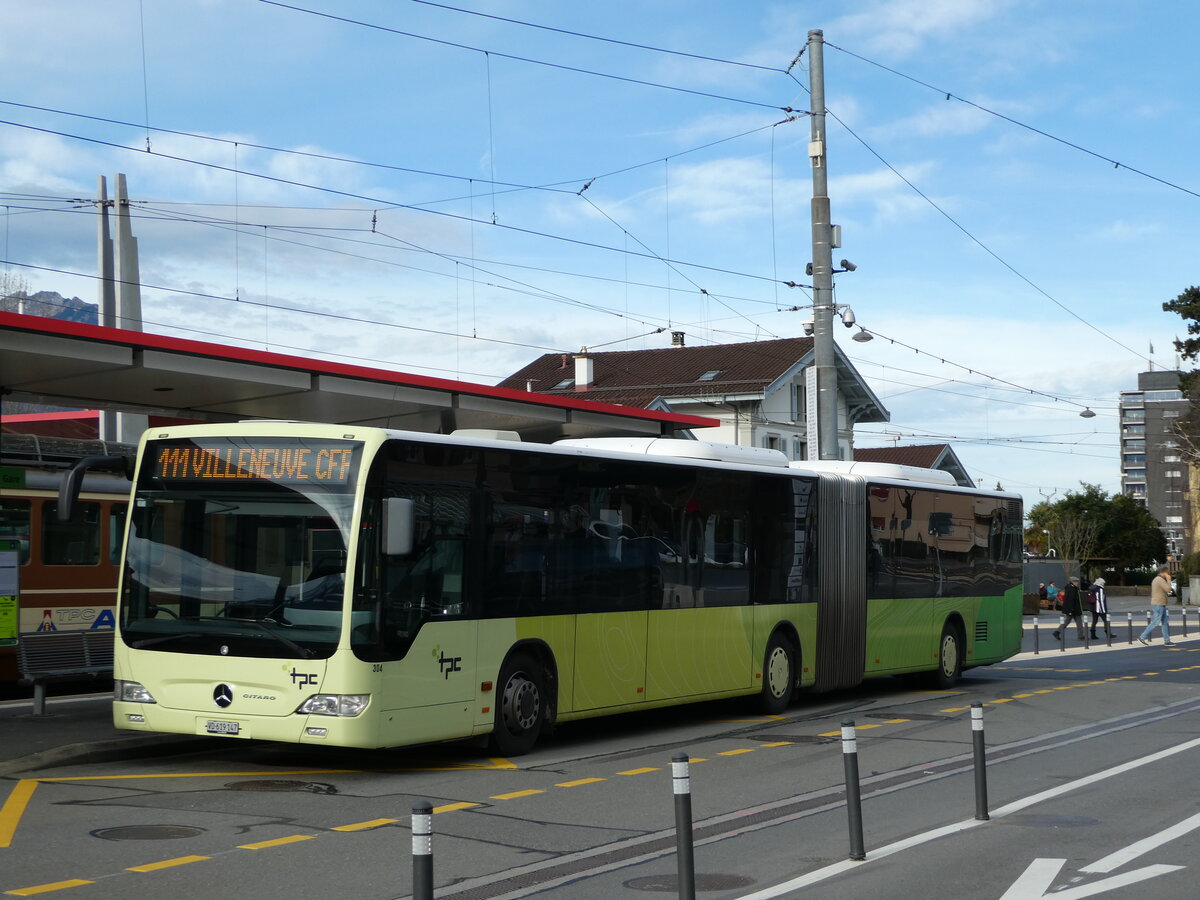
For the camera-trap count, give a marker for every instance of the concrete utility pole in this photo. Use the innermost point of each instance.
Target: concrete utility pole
(824, 368)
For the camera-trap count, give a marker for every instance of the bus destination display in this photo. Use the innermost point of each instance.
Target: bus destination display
(324, 462)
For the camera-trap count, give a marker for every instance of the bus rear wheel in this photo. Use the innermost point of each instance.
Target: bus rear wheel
(520, 706)
(949, 659)
(779, 676)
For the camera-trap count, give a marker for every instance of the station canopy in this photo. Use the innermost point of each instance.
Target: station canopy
(67, 364)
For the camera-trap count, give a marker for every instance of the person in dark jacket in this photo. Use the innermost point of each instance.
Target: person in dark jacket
(1072, 608)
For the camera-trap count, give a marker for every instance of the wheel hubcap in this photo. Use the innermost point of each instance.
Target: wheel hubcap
(521, 702)
(778, 672)
(949, 655)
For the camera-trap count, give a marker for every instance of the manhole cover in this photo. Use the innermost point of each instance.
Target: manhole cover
(147, 832)
(314, 787)
(669, 884)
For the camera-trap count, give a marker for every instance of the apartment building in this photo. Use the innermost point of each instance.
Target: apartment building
(1153, 470)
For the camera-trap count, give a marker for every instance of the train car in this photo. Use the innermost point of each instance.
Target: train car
(66, 572)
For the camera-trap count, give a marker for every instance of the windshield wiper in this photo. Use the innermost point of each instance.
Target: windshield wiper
(302, 652)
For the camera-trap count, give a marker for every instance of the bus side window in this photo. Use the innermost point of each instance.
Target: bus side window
(73, 543)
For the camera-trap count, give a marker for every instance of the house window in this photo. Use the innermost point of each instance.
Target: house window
(709, 375)
(563, 385)
(771, 441)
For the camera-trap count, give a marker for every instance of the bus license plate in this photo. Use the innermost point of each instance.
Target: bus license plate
(222, 727)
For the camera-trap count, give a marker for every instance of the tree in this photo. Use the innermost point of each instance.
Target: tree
(1187, 306)
(1088, 525)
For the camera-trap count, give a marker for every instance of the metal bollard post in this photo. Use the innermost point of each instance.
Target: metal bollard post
(981, 800)
(1086, 632)
(682, 785)
(1183, 613)
(422, 850)
(1036, 620)
(1130, 627)
(853, 797)
(1062, 634)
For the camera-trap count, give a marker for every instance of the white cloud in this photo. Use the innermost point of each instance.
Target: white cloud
(899, 28)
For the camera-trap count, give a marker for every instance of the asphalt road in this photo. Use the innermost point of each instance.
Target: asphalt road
(1089, 780)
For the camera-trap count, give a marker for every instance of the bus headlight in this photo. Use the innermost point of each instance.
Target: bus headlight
(334, 704)
(132, 692)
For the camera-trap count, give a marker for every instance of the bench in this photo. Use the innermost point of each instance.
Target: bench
(62, 656)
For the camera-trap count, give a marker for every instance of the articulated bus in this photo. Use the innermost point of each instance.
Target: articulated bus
(374, 588)
(66, 571)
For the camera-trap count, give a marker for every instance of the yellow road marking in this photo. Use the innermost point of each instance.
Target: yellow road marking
(46, 888)
(168, 863)
(896, 721)
(363, 826)
(258, 774)
(579, 782)
(452, 807)
(640, 771)
(1001, 700)
(779, 744)
(277, 842)
(1022, 696)
(515, 794)
(14, 808)
(738, 752)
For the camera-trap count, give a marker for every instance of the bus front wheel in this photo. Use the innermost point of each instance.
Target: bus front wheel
(949, 659)
(779, 676)
(520, 706)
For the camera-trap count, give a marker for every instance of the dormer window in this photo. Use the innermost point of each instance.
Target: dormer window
(709, 375)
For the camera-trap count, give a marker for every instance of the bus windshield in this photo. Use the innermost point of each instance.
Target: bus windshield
(238, 547)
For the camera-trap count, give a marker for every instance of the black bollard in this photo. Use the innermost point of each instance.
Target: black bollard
(981, 799)
(422, 850)
(681, 783)
(853, 796)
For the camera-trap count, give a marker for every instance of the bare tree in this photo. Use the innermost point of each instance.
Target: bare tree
(1074, 535)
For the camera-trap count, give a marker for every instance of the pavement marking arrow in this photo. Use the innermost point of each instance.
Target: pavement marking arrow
(1133, 851)
(1035, 881)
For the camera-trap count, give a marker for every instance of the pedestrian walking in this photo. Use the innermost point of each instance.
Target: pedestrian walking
(1099, 604)
(1072, 608)
(1160, 593)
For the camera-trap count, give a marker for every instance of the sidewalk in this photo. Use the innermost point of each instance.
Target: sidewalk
(76, 729)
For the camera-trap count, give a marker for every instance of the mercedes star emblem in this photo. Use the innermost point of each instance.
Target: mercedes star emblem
(222, 695)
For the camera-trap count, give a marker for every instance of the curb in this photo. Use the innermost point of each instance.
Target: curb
(105, 751)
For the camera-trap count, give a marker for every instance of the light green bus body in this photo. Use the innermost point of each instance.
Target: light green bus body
(445, 683)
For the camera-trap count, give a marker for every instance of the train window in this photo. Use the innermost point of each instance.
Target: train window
(73, 543)
(14, 525)
(116, 532)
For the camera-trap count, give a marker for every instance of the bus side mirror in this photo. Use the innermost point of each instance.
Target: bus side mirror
(399, 521)
(72, 479)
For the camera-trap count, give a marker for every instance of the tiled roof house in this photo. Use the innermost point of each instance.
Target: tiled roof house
(756, 389)
(924, 456)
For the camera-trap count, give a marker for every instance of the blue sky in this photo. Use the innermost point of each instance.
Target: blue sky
(427, 191)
